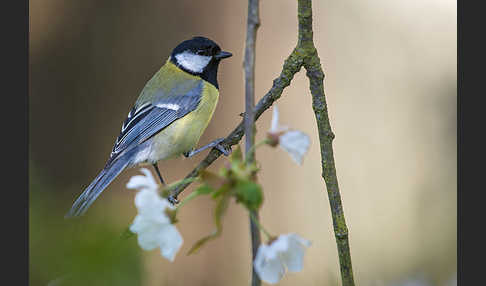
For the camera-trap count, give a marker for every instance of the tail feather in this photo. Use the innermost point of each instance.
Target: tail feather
(104, 178)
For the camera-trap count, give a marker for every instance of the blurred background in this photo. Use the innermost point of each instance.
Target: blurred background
(391, 91)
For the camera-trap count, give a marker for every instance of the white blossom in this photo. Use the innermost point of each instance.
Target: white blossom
(284, 253)
(276, 127)
(294, 142)
(152, 224)
(143, 182)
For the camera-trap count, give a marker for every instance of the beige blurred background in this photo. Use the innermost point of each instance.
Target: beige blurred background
(391, 90)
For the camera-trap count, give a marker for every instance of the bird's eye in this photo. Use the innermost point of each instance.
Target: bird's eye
(214, 50)
(201, 52)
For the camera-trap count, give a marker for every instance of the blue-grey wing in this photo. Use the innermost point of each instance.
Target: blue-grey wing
(147, 120)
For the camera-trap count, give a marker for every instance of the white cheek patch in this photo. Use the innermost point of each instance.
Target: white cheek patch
(171, 106)
(192, 62)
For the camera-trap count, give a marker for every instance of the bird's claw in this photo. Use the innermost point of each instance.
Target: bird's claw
(173, 200)
(226, 150)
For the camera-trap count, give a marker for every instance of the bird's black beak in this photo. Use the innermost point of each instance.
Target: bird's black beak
(223, 55)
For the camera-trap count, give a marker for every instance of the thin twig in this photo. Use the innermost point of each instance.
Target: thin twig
(253, 22)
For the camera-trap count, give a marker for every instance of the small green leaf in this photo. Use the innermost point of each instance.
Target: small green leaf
(249, 193)
(221, 207)
(126, 234)
(223, 190)
(176, 184)
(212, 179)
(195, 248)
(172, 215)
(219, 211)
(204, 189)
(236, 155)
(165, 193)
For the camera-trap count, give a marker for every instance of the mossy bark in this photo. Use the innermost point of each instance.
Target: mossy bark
(314, 72)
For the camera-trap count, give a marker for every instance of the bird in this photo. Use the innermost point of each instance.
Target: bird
(168, 118)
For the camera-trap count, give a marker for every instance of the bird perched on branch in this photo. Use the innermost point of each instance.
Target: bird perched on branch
(168, 118)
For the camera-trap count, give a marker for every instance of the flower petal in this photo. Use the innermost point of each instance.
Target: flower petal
(270, 270)
(296, 143)
(147, 239)
(285, 252)
(140, 224)
(142, 182)
(170, 241)
(274, 126)
(278, 246)
(152, 206)
(145, 198)
(152, 224)
(293, 258)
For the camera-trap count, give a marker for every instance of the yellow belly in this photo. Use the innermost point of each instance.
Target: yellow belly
(184, 134)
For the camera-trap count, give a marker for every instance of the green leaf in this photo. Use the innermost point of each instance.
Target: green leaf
(172, 214)
(176, 184)
(212, 179)
(221, 207)
(195, 248)
(219, 211)
(221, 191)
(127, 233)
(236, 155)
(204, 189)
(249, 193)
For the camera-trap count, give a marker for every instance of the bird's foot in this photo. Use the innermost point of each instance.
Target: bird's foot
(226, 150)
(173, 200)
(216, 144)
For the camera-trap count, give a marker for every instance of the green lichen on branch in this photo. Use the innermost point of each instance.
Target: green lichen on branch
(312, 64)
(304, 55)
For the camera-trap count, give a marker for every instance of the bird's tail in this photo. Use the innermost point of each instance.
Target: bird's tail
(104, 178)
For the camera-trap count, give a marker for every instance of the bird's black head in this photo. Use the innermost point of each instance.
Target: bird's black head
(199, 56)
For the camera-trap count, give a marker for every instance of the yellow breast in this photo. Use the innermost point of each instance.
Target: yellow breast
(184, 134)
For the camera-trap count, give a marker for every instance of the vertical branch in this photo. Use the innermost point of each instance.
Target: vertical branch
(312, 64)
(253, 22)
(249, 65)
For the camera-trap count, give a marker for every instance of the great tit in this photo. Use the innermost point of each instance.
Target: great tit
(168, 118)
